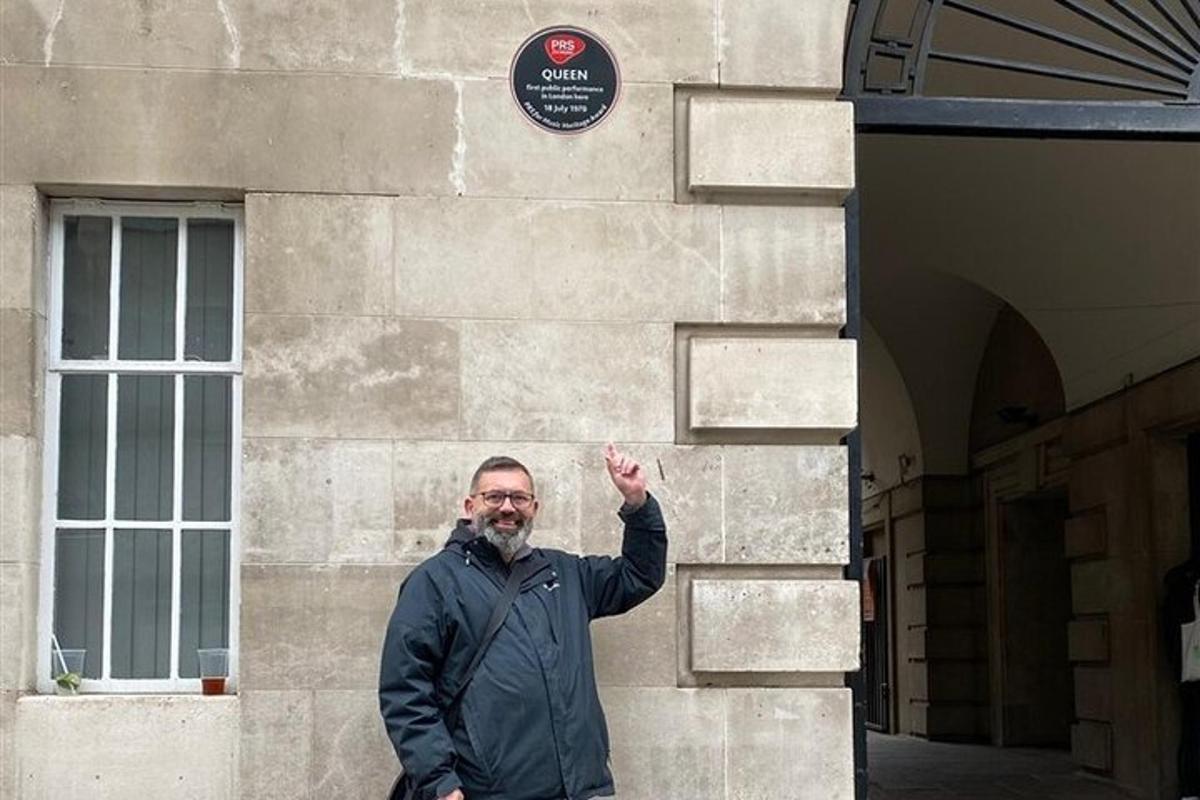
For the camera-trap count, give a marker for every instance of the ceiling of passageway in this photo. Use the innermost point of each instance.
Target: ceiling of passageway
(1038, 49)
(1096, 243)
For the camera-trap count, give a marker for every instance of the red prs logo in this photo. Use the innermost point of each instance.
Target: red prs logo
(562, 47)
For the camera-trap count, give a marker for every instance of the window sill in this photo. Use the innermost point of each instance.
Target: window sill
(129, 699)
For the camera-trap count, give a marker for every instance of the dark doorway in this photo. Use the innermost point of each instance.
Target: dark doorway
(876, 653)
(1036, 683)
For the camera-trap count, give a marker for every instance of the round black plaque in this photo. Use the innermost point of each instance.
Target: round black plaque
(565, 80)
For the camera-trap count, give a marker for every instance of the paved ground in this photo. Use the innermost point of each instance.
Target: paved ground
(904, 768)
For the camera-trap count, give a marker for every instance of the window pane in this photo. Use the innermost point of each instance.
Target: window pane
(148, 262)
(204, 596)
(145, 446)
(141, 623)
(79, 595)
(209, 323)
(87, 257)
(83, 435)
(207, 450)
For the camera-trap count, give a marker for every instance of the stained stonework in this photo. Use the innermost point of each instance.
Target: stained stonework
(772, 383)
(350, 376)
(128, 746)
(428, 281)
(321, 626)
(773, 626)
(770, 145)
(784, 43)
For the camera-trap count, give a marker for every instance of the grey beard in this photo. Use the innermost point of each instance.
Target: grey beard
(507, 543)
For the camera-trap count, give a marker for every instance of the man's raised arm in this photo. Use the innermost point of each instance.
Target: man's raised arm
(615, 585)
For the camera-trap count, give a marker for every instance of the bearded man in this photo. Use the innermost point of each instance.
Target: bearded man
(513, 716)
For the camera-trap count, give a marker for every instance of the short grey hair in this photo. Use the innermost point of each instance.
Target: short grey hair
(499, 464)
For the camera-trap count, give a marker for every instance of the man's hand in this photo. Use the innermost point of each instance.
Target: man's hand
(627, 475)
(455, 795)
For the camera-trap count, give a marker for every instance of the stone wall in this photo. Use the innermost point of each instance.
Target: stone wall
(931, 530)
(1129, 525)
(430, 280)
(1122, 464)
(22, 330)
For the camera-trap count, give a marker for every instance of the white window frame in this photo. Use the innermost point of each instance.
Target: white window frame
(57, 366)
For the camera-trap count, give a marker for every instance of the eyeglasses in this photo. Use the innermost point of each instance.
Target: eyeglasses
(520, 500)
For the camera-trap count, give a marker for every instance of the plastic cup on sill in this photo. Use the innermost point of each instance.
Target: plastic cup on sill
(214, 669)
(66, 669)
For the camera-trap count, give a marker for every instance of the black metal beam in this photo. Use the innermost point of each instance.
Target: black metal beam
(1028, 118)
(856, 681)
(1193, 481)
(1095, 78)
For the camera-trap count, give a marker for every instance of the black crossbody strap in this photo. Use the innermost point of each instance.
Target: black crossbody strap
(499, 613)
(403, 788)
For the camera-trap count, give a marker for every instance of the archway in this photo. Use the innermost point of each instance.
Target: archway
(1087, 250)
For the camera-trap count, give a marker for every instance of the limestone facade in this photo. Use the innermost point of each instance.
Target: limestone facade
(429, 280)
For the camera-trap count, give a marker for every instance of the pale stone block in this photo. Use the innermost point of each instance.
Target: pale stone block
(20, 498)
(950, 681)
(948, 643)
(770, 145)
(956, 605)
(783, 264)
(687, 483)
(948, 720)
(277, 731)
(953, 568)
(22, 248)
(161, 33)
(324, 35)
(1093, 693)
(1087, 640)
(774, 626)
(352, 755)
(638, 648)
(241, 129)
(365, 377)
(783, 43)
(316, 500)
(1086, 535)
(18, 345)
(786, 504)
(252, 34)
(667, 743)
(772, 383)
(1091, 745)
(150, 746)
(796, 743)
(23, 34)
(8, 743)
(315, 627)
(461, 37)
(1092, 587)
(431, 481)
(318, 254)
(630, 156)
(18, 625)
(538, 381)
(557, 260)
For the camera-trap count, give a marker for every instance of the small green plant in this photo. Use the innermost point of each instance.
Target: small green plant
(69, 681)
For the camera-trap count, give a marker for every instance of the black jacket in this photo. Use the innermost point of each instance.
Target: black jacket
(1180, 585)
(530, 724)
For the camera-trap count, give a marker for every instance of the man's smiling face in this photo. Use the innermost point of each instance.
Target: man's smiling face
(501, 508)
